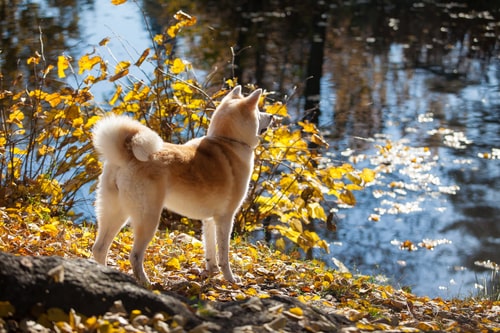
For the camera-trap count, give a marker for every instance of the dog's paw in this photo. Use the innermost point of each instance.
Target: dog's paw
(212, 269)
(206, 274)
(236, 280)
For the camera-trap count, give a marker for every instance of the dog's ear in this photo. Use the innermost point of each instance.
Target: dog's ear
(235, 93)
(254, 97)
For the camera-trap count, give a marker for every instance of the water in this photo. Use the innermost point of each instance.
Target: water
(424, 77)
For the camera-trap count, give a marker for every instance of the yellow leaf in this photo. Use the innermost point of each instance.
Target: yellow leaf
(308, 127)
(158, 39)
(324, 245)
(33, 60)
(62, 65)
(43, 150)
(316, 211)
(121, 66)
(301, 299)
(427, 326)
(116, 95)
(251, 292)
(348, 198)
(318, 140)
(361, 325)
(104, 41)
(353, 187)
(278, 108)
(19, 151)
(297, 311)
(288, 233)
(185, 18)
(118, 75)
(173, 264)
(240, 297)
(231, 83)
(296, 225)
(134, 314)
(48, 69)
(118, 2)
(280, 244)
(78, 132)
(54, 100)
(144, 54)
(91, 122)
(16, 117)
(87, 63)
(353, 178)
(367, 175)
(336, 172)
(328, 277)
(50, 229)
(173, 30)
(178, 66)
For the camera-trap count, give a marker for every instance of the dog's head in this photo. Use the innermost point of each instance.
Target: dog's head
(238, 117)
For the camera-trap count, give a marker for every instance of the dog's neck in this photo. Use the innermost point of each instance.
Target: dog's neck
(225, 138)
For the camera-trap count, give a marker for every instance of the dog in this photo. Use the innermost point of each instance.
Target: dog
(206, 179)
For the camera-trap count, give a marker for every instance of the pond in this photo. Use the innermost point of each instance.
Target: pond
(409, 88)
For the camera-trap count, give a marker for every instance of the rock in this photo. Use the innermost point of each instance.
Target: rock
(33, 285)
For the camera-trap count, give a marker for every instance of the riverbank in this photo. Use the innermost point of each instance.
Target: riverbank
(174, 262)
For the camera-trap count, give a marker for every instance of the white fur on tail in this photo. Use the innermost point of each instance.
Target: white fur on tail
(111, 133)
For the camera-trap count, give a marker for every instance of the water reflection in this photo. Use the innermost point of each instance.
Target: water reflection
(403, 71)
(418, 73)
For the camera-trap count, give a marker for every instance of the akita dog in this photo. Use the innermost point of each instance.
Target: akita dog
(206, 179)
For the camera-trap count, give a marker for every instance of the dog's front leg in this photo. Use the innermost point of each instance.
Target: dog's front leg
(224, 227)
(209, 245)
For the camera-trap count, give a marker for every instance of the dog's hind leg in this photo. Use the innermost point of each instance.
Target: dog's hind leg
(108, 226)
(209, 245)
(144, 226)
(224, 227)
(110, 217)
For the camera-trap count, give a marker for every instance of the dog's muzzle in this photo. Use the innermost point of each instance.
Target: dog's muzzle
(265, 121)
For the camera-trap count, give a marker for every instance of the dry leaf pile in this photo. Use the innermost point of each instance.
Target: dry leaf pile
(174, 262)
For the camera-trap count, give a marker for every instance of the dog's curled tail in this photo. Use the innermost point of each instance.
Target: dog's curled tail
(119, 138)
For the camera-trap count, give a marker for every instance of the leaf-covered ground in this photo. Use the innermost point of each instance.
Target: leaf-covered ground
(174, 262)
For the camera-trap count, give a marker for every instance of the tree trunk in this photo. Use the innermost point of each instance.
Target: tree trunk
(312, 91)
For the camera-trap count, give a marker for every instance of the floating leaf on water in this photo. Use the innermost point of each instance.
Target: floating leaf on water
(488, 264)
(430, 244)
